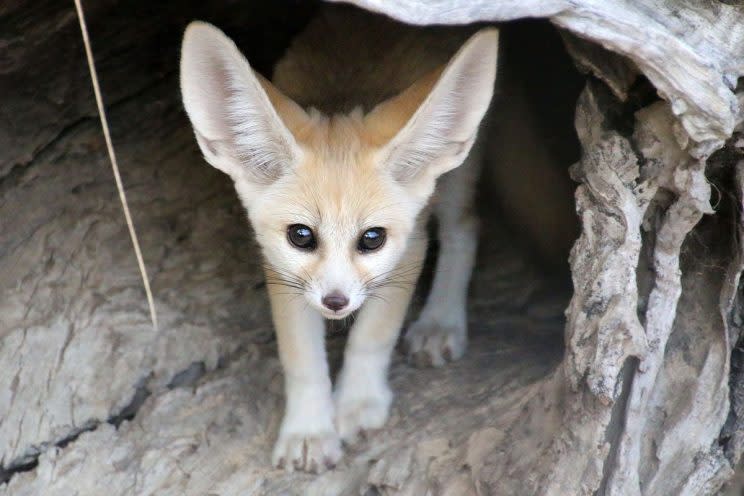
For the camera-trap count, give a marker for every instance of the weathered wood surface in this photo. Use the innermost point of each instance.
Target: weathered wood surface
(647, 399)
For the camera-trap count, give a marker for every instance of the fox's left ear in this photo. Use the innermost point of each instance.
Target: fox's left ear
(438, 117)
(241, 121)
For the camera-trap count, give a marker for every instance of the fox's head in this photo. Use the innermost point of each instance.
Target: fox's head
(333, 199)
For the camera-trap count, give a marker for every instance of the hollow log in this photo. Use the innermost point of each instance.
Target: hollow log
(627, 381)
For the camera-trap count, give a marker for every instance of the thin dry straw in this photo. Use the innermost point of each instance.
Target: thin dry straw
(114, 164)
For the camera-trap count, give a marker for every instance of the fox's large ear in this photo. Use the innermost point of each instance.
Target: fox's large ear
(438, 117)
(237, 115)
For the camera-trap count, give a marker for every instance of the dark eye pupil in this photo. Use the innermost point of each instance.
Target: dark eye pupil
(372, 239)
(301, 236)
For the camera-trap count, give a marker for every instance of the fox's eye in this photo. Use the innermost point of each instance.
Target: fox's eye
(372, 239)
(301, 237)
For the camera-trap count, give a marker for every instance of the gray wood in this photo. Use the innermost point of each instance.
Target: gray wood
(647, 398)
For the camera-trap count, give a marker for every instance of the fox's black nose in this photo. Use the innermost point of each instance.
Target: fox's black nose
(335, 301)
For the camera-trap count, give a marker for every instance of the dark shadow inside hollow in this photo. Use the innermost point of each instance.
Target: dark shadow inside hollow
(533, 142)
(526, 200)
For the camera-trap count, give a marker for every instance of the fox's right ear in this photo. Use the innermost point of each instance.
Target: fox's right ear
(433, 124)
(234, 111)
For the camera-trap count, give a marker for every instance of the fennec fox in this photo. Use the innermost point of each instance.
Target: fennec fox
(335, 163)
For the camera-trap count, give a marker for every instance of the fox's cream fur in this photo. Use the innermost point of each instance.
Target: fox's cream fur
(363, 116)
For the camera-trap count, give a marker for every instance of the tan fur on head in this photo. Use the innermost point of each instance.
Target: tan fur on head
(338, 191)
(339, 174)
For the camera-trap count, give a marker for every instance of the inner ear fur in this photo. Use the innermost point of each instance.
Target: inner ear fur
(243, 124)
(429, 128)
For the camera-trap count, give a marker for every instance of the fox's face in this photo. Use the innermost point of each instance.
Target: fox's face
(334, 200)
(335, 228)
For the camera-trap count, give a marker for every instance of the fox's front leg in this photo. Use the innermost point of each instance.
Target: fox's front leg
(440, 334)
(362, 395)
(307, 437)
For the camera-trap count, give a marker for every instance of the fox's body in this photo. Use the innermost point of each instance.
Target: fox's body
(336, 163)
(347, 58)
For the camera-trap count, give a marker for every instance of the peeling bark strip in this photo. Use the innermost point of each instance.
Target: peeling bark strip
(689, 184)
(603, 329)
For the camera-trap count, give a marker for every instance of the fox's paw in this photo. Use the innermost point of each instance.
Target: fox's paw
(361, 411)
(310, 448)
(310, 452)
(432, 344)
